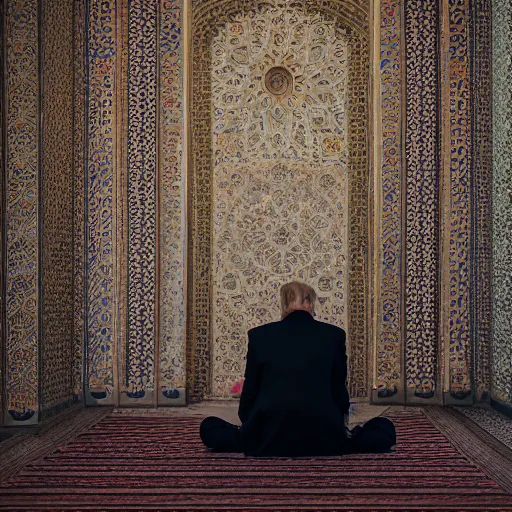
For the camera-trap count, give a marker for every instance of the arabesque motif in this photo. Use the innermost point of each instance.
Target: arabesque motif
(279, 87)
(100, 223)
(389, 372)
(172, 200)
(142, 208)
(422, 150)
(22, 209)
(351, 26)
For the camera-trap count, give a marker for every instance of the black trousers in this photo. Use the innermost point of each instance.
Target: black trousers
(375, 436)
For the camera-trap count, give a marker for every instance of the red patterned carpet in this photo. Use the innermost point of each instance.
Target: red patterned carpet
(158, 463)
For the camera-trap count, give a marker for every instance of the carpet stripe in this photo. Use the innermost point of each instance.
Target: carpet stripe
(159, 463)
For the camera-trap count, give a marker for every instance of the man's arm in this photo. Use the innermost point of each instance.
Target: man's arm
(339, 377)
(251, 382)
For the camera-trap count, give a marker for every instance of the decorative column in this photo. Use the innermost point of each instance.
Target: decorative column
(22, 213)
(138, 354)
(422, 152)
(172, 212)
(101, 251)
(57, 146)
(481, 151)
(388, 383)
(456, 204)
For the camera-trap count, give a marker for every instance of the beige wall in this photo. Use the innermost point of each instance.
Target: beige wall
(502, 204)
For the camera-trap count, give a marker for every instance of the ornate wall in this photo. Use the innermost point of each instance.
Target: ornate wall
(21, 214)
(280, 139)
(38, 118)
(432, 228)
(481, 186)
(135, 198)
(349, 21)
(502, 203)
(56, 175)
(200, 153)
(280, 201)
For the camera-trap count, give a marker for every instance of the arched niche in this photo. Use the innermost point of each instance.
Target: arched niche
(350, 20)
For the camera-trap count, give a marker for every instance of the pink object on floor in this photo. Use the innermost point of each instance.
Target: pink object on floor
(236, 390)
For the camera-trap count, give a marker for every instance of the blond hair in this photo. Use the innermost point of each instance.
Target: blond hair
(297, 295)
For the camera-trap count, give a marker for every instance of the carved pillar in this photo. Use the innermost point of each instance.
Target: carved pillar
(389, 179)
(481, 99)
(456, 204)
(37, 158)
(422, 152)
(174, 62)
(138, 372)
(22, 212)
(56, 205)
(101, 188)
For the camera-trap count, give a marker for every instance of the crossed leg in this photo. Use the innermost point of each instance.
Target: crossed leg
(375, 436)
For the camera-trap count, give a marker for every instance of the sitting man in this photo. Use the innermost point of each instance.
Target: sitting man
(294, 397)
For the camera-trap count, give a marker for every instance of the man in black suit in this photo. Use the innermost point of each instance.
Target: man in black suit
(294, 398)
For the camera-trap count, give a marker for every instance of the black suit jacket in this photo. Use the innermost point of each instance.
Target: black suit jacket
(294, 395)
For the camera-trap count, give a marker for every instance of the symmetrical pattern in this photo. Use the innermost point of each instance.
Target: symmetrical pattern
(458, 209)
(482, 205)
(206, 17)
(171, 200)
(2, 217)
(422, 217)
(502, 202)
(57, 201)
(100, 309)
(142, 80)
(280, 175)
(351, 13)
(389, 336)
(22, 196)
(80, 29)
(273, 222)
(358, 165)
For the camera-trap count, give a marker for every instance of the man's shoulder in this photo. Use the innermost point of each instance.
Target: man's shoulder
(331, 328)
(261, 329)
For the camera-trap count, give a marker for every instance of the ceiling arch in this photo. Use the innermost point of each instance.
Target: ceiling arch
(353, 14)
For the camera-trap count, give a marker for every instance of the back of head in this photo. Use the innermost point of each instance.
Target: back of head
(297, 295)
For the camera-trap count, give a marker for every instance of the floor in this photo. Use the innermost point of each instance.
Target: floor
(18, 450)
(20, 446)
(496, 424)
(228, 410)
(100, 458)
